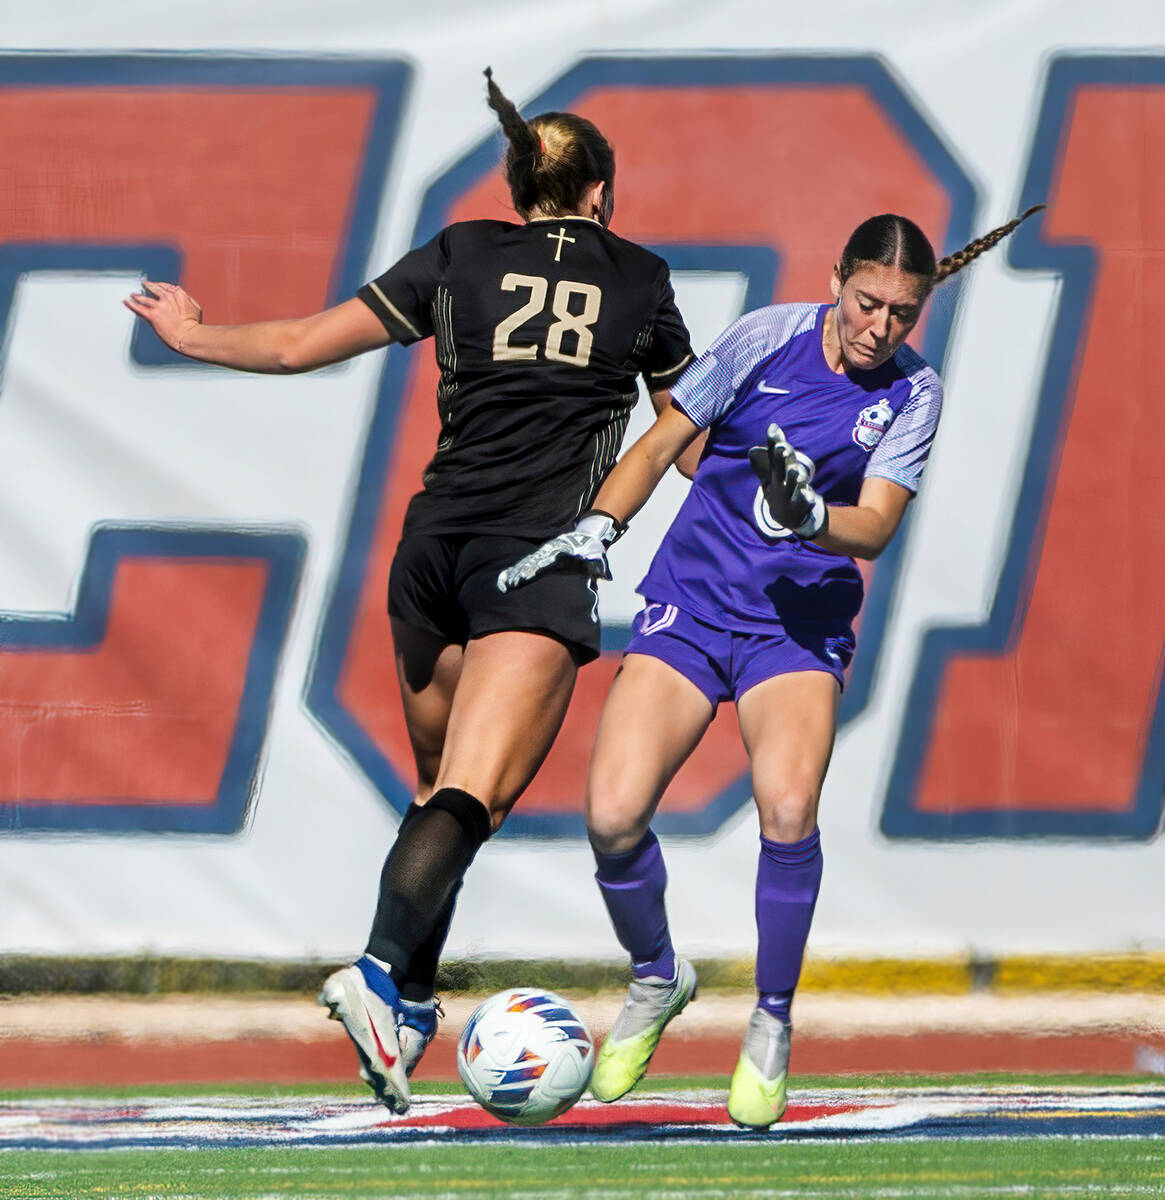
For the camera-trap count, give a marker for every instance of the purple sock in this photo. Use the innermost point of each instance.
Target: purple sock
(633, 884)
(788, 879)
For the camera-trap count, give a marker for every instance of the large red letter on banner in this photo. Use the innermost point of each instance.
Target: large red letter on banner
(1049, 720)
(146, 707)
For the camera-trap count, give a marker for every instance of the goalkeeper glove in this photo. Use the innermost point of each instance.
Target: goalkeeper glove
(586, 545)
(785, 475)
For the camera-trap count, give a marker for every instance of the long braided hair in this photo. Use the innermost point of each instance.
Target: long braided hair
(893, 241)
(552, 158)
(946, 267)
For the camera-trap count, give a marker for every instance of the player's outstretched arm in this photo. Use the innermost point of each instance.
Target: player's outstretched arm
(273, 347)
(634, 477)
(689, 460)
(623, 494)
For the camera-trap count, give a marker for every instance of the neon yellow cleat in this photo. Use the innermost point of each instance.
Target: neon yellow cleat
(651, 1003)
(756, 1096)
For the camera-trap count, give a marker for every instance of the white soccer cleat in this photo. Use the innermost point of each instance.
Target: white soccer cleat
(365, 999)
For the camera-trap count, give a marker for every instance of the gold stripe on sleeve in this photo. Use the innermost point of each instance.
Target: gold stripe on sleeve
(393, 311)
(672, 370)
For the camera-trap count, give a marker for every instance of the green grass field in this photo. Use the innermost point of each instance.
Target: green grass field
(1111, 1168)
(963, 1168)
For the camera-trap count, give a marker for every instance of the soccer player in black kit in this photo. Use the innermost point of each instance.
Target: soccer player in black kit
(540, 329)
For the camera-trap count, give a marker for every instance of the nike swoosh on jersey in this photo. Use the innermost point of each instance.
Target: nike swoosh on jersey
(774, 391)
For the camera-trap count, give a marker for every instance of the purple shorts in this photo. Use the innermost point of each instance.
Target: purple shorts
(723, 664)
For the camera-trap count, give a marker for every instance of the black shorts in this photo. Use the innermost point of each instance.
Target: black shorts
(447, 583)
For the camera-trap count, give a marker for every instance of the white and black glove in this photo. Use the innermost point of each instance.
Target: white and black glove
(786, 478)
(585, 546)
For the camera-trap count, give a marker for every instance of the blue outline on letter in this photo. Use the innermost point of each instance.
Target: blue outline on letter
(1077, 265)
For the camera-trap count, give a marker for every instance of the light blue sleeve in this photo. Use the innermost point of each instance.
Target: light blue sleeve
(706, 390)
(902, 453)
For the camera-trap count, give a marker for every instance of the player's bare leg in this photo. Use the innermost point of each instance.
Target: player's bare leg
(510, 702)
(653, 719)
(788, 725)
(428, 669)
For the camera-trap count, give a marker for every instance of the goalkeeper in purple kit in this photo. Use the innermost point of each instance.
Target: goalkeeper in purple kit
(819, 422)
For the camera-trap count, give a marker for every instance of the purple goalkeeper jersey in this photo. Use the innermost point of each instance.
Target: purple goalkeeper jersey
(724, 559)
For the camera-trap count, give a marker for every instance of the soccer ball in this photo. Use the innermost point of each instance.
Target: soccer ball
(525, 1056)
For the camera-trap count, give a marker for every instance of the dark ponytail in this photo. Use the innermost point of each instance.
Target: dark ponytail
(524, 149)
(946, 267)
(552, 159)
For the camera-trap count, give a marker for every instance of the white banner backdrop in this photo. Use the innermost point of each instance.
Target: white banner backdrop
(92, 435)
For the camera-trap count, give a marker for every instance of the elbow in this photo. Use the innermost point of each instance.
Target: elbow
(866, 542)
(689, 458)
(290, 360)
(292, 355)
(873, 546)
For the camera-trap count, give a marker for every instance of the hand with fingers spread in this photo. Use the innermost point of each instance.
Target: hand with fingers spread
(169, 310)
(585, 545)
(786, 478)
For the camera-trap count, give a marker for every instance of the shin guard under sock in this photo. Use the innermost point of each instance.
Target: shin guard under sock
(433, 849)
(787, 882)
(633, 885)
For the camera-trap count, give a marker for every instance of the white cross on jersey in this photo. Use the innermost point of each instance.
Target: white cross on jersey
(561, 236)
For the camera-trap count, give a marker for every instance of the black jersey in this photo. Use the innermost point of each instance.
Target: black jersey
(540, 331)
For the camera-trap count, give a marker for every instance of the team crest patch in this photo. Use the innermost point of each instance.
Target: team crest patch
(872, 422)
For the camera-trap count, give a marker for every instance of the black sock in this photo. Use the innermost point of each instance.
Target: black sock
(433, 849)
(420, 981)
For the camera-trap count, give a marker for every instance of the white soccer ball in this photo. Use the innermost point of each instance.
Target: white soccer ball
(525, 1056)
